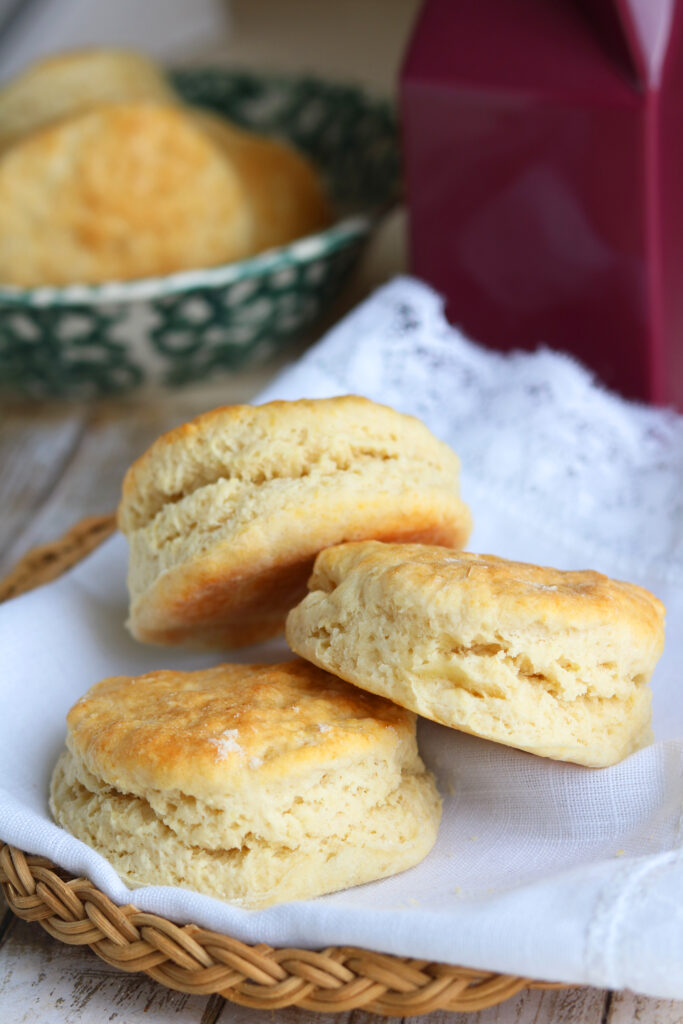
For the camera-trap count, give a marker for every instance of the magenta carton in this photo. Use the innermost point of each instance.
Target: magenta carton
(543, 144)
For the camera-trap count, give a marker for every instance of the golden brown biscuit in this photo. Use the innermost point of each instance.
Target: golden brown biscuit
(225, 514)
(71, 83)
(125, 191)
(254, 783)
(106, 175)
(556, 663)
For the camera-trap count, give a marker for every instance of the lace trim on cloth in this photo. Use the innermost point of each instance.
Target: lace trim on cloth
(535, 432)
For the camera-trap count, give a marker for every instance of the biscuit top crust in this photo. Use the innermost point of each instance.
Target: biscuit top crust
(122, 191)
(68, 83)
(484, 588)
(212, 732)
(285, 440)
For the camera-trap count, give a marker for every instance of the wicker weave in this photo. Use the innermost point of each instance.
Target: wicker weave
(199, 961)
(49, 561)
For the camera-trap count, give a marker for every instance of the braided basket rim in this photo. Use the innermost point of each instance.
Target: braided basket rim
(200, 961)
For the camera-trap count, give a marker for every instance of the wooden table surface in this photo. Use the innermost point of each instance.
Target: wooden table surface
(61, 462)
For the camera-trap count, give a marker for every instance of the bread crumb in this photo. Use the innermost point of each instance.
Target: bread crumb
(226, 744)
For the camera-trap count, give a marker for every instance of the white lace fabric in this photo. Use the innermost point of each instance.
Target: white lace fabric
(534, 431)
(541, 869)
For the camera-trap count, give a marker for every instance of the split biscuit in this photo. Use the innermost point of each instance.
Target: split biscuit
(254, 783)
(225, 515)
(555, 663)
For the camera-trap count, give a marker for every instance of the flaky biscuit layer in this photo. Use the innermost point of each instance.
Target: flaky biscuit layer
(254, 783)
(225, 514)
(395, 836)
(553, 662)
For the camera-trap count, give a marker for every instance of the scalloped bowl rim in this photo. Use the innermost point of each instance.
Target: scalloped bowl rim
(297, 253)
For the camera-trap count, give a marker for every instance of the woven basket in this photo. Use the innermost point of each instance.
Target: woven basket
(201, 962)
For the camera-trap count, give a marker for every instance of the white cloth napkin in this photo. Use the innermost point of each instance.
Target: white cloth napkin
(541, 869)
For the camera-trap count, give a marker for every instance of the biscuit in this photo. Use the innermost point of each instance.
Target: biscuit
(224, 515)
(555, 663)
(254, 783)
(125, 191)
(71, 83)
(121, 181)
(284, 192)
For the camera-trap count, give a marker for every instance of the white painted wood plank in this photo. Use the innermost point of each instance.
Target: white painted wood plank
(234, 1014)
(42, 980)
(562, 1006)
(34, 448)
(627, 1007)
(45, 981)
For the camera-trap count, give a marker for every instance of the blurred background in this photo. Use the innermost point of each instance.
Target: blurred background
(356, 43)
(360, 40)
(535, 146)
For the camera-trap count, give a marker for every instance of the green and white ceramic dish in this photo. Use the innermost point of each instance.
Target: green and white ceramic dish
(89, 340)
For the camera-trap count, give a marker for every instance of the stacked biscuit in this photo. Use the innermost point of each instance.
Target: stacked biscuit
(105, 174)
(265, 783)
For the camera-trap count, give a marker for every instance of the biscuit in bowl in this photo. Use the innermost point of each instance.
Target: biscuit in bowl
(555, 663)
(107, 175)
(225, 515)
(120, 192)
(253, 783)
(284, 192)
(71, 83)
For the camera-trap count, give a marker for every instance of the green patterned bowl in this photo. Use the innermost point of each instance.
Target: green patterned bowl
(89, 340)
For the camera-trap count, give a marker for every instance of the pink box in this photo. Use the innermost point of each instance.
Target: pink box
(543, 144)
